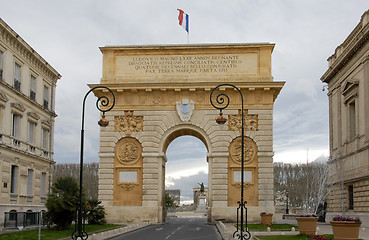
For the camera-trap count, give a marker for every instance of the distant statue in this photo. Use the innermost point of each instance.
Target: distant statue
(202, 188)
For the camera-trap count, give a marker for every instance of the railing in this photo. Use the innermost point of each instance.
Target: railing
(23, 146)
(17, 85)
(46, 104)
(32, 95)
(15, 220)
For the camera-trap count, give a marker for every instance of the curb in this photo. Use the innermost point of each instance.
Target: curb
(114, 232)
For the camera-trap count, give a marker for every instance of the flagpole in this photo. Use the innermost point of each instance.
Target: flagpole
(188, 37)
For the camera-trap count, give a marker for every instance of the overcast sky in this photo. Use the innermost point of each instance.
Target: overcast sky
(68, 35)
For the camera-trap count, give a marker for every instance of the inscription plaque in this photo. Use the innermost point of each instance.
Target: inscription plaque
(247, 176)
(208, 64)
(127, 176)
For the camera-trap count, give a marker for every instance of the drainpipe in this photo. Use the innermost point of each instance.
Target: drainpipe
(52, 117)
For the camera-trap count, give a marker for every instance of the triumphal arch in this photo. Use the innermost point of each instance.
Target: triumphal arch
(162, 92)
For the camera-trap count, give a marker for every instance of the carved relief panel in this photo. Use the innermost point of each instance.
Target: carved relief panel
(128, 164)
(250, 172)
(128, 123)
(250, 123)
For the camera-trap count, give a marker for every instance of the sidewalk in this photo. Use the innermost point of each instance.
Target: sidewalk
(227, 230)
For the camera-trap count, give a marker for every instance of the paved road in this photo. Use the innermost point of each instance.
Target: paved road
(175, 229)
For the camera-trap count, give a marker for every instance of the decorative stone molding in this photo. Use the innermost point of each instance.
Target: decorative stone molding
(128, 151)
(128, 123)
(250, 150)
(18, 106)
(127, 186)
(33, 115)
(245, 185)
(350, 90)
(185, 109)
(250, 124)
(3, 98)
(46, 123)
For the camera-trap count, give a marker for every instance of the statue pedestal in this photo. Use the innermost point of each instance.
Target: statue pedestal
(202, 205)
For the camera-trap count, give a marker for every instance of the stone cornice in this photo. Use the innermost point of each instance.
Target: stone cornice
(13, 40)
(203, 47)
(208, 86)
(348, 49)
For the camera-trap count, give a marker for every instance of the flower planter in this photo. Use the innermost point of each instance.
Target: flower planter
(266, 218)
(307, 225)
(345, 230)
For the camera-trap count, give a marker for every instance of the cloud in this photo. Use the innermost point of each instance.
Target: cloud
(186, 184)
(67, 34)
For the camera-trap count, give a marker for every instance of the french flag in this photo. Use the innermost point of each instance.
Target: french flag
(184, 20)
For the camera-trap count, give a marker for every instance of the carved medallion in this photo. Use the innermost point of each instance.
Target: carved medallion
(129, 123)
(249, 150)
(128, 151)
(185, 109)
(250, 124)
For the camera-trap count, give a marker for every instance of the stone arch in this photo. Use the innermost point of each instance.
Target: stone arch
(182, 130)
(157, 106)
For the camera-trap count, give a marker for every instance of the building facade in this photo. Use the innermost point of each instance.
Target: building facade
(27, 94)
(348, 83)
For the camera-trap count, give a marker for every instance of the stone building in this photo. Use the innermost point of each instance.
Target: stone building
(348, 84)
(27, 94)
(163, 92)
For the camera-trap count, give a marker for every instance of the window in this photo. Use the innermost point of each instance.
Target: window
(43, 184)
(46, 97)
(15, 130)
(13, 215)
(17, 71)
(351, 197)
(29, 182)
(32, 93)
(352, 119)
(13, 179)
(1, 65)
(31, 132)
(45, 138)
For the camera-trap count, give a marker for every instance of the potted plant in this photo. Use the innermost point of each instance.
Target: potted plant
(345, 227)
(307, 224)
(266, 218)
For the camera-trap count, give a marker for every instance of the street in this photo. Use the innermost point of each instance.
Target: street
(175, 229)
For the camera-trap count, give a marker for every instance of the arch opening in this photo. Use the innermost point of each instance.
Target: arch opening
(186, 168)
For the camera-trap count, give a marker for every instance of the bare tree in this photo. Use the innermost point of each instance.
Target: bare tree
(90, 176)
(305, 184)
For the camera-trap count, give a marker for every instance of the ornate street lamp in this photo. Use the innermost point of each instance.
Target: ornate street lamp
(102, 104)
(221, 102)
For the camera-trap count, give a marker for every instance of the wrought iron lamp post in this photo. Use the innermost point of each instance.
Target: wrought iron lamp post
(221, 102)
(103, 105)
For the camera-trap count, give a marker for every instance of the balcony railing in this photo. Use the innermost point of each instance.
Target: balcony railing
(23, 146)
(46, 104)
(32, 95)
(17, 85)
